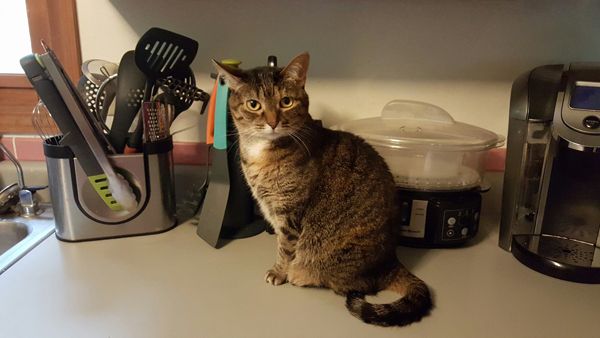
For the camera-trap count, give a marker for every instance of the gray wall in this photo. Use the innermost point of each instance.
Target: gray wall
(461, 55)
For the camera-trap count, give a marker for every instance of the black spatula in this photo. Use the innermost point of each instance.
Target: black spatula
(158, 54)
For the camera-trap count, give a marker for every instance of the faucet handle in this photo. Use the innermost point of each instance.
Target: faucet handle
(28, 204)
(35, 188)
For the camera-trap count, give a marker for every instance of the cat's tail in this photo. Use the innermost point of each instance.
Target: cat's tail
(415, 304)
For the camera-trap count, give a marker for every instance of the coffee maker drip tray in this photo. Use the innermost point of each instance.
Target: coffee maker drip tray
(558, 257)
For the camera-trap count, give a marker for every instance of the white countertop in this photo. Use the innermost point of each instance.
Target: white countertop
(175, 285)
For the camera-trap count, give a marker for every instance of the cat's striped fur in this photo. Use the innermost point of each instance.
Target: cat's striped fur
(329, 196)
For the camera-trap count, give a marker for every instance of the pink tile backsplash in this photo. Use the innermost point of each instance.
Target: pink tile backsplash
(8, 143)
(189, 153)
(496, 159)
(29, 149)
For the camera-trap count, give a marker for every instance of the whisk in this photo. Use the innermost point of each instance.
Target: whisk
(45, 125)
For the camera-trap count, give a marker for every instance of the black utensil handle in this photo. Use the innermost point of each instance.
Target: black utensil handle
(135, 139)
(204, 104)
(131, 82)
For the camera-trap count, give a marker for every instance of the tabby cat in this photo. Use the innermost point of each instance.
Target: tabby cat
(329, 196)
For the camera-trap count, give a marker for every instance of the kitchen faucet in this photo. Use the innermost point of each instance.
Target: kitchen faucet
(8, 196)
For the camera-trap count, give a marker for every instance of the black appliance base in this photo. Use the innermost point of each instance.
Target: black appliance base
(439, 219)
(558, 257)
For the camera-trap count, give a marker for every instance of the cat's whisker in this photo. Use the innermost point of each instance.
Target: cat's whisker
(307, 130)
(238, 132)
(297, 137)
(295, 140)
(304, 137)
(307, 133)
(247, 134)
(235, 143)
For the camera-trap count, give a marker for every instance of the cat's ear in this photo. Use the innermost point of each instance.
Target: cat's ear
(231, 75)
(296, 70)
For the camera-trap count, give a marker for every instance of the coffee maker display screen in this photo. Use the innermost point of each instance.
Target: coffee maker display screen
(586, 95)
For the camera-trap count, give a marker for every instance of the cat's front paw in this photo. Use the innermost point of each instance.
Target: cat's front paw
(275, 278)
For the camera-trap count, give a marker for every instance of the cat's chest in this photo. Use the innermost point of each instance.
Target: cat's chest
(268, 172)
(256, 151)
(269, 179)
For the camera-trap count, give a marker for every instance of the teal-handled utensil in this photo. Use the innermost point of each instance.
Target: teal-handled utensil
(220, 141)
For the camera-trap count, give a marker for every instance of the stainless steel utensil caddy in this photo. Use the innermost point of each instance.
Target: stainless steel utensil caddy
(81, 214)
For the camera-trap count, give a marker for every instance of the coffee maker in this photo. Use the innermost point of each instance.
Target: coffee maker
(551, 197)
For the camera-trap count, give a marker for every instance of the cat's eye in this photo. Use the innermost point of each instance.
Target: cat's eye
(286, 102)
(253, 105)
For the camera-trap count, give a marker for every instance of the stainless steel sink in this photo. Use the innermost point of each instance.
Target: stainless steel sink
(18, 235)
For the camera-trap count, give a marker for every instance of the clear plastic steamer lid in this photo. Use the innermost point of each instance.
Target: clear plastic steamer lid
(415, 125)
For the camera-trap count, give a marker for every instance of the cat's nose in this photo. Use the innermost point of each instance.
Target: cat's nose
(273, 123)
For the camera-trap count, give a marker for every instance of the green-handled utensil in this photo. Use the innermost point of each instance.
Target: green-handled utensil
(58, 93)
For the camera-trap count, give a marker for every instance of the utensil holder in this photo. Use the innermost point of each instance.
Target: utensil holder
(80, 214)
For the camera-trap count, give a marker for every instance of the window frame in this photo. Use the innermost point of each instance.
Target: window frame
(55, 22)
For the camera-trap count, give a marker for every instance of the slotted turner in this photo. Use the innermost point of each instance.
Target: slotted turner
(158, 54)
